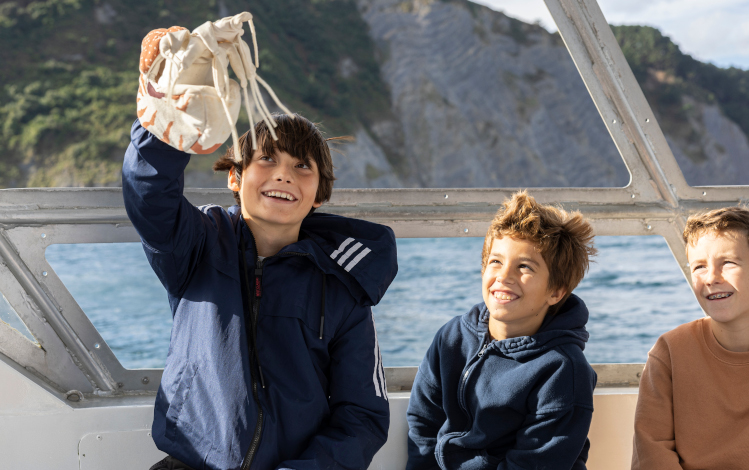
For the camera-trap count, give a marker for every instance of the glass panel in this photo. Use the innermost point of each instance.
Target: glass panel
(692, 66)
(116, 288)
(634, 291)
(683, 61)
(436, 94)
(9, 316)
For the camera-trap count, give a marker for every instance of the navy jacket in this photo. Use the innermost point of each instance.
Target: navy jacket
(324, 405)
(520, 403)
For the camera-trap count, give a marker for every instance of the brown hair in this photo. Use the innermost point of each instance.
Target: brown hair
(719, 220)
(564, 240)
(298, 137)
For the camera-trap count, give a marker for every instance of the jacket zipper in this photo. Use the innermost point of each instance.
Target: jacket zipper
(247, 462)
(250, 455)
(461, 394)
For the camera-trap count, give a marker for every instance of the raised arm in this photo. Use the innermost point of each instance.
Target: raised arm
(173, 231)
(360, 412)
(654, 442)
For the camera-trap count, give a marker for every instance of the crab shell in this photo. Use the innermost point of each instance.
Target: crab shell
(194, 121)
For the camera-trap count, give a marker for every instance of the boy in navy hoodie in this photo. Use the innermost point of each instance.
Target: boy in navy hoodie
(273, 361)
(506, 385)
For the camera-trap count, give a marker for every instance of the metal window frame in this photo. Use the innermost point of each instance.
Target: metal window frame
(657, 200)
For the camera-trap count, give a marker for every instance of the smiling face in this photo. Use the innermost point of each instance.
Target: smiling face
(515, 286)
(277, 191)
(719, 265)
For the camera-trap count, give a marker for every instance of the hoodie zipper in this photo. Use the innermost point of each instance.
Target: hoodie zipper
(249, 456)
(257, 294)
(461, 395)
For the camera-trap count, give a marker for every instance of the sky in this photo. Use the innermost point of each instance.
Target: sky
(715, 31)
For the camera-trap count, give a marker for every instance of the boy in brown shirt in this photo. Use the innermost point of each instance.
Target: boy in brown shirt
(693, 407)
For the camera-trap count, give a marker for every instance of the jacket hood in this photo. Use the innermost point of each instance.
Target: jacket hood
(567, 326)
(361, 254)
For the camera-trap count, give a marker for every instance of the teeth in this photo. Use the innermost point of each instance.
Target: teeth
(501, 296)
(280, 194)
(718, 296)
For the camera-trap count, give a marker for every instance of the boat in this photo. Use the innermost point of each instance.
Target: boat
(66, 402)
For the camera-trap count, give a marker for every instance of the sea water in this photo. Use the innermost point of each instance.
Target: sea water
(634, 291)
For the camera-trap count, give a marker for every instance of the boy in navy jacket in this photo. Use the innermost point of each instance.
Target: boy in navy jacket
(273, 361)
(506, 385)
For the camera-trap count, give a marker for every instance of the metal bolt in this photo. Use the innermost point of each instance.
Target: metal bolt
(98, 438)
(647, 119)
(44, 273)
(639, 374)
(120, 384)
(649, 227)
(446, 196)
(145, 380)
(149, 434)
(704, 193)
(465, 230)
(97, 345)
(614, 121)
(633, 196)
(44, 235)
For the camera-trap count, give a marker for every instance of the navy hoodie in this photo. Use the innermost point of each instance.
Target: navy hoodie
(519, 403)
(324, 404)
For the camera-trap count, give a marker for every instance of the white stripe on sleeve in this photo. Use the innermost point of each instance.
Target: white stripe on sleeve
(350, 252)
(378, 377)
(340, 249)
(358, 258)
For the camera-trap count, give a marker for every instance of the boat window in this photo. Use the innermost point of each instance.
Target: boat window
(9, 317)
(634, 291)
(461, 97)
(689, 67)
(116, 288)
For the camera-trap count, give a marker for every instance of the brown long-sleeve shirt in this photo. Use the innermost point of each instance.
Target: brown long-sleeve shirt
(693, 407)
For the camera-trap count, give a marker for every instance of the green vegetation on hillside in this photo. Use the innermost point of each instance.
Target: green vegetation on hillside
(67, 98)
(666, 75)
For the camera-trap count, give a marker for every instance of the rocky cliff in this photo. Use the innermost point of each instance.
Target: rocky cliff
(482, 100)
